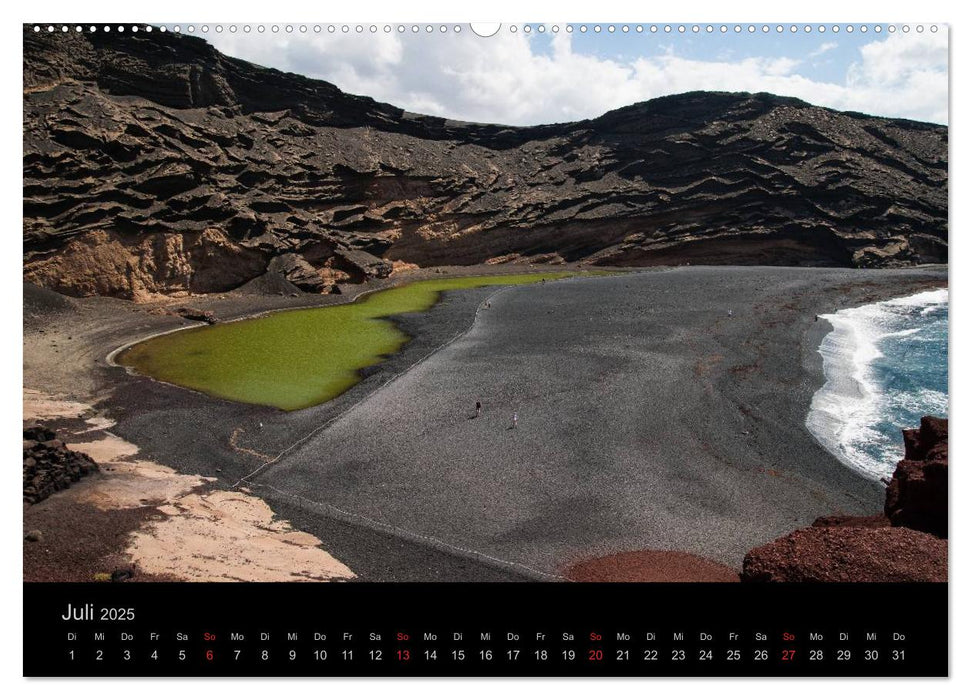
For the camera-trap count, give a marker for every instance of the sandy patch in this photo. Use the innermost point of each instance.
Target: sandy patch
(203, 535)
(98, 423)
(39, 406)
(136, 484)
(228, 536)
(109, 448)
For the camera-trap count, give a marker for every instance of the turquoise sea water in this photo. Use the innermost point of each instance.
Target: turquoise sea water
(885, 367)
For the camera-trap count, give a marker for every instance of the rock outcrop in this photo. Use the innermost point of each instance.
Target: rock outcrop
(193, 314)
(849, 554)
(917, 493)
(906, 543)
(49, 465)
(153, 164)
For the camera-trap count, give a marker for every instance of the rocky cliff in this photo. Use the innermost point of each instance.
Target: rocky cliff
(155, 164)
(908, 542)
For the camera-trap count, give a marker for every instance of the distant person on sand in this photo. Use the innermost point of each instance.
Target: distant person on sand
(515, 419)
(478, 408)
(729, 312)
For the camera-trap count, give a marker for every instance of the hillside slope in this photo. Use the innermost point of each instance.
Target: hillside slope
(155, 164)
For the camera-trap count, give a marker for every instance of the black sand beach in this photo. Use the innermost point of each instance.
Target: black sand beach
(662, 409)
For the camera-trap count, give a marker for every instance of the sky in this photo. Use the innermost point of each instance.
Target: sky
(524, 78)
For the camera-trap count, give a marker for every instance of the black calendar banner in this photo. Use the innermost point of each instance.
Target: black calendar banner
(159, 629)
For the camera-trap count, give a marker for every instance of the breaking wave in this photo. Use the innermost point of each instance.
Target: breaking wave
(885, 366)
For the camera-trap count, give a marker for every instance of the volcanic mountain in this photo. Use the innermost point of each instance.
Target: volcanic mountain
(153, 164)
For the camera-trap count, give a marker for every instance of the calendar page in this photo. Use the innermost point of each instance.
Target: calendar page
(529, 349)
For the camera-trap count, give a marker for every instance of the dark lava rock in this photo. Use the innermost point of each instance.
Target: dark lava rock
(368, 265)
(154, 164)
(120, 575)
(49, 466)
(841, 554)
(917, 493)
(193, 314)
(297, 271)
(38, 433)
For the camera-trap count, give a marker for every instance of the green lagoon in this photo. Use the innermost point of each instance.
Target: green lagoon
(296, 359)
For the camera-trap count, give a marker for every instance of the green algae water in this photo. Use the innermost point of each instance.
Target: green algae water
(295, 359)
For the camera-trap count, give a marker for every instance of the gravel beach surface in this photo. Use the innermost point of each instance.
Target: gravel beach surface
(658, 410)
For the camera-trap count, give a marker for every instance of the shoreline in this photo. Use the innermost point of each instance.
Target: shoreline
(360, 294)
(725, 392)
(344, 342)
(845, 359)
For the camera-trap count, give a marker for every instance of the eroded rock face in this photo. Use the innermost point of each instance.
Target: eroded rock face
(917, 493)
(137, 145)
(132, 266)
(841, 554)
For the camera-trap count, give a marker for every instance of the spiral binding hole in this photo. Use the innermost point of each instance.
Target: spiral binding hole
(512, 28)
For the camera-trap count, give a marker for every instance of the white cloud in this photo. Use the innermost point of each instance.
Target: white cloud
(823, 48)
(505, 79)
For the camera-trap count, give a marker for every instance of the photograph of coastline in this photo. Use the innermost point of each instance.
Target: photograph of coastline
(420, 304)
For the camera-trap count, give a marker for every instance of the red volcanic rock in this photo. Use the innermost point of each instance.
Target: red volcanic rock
(844, 554)
(929, 441)
(654, 566)
(865, 548)
(917, 493)
(852, 521)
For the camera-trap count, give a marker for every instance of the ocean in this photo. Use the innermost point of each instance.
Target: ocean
(886, 367)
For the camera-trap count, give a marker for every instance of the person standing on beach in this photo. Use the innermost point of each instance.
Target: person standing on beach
(478, 408)
(515, 419)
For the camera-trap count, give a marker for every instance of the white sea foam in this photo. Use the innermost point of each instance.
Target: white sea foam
(924, 300)
(904, 333)
(846, 410)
